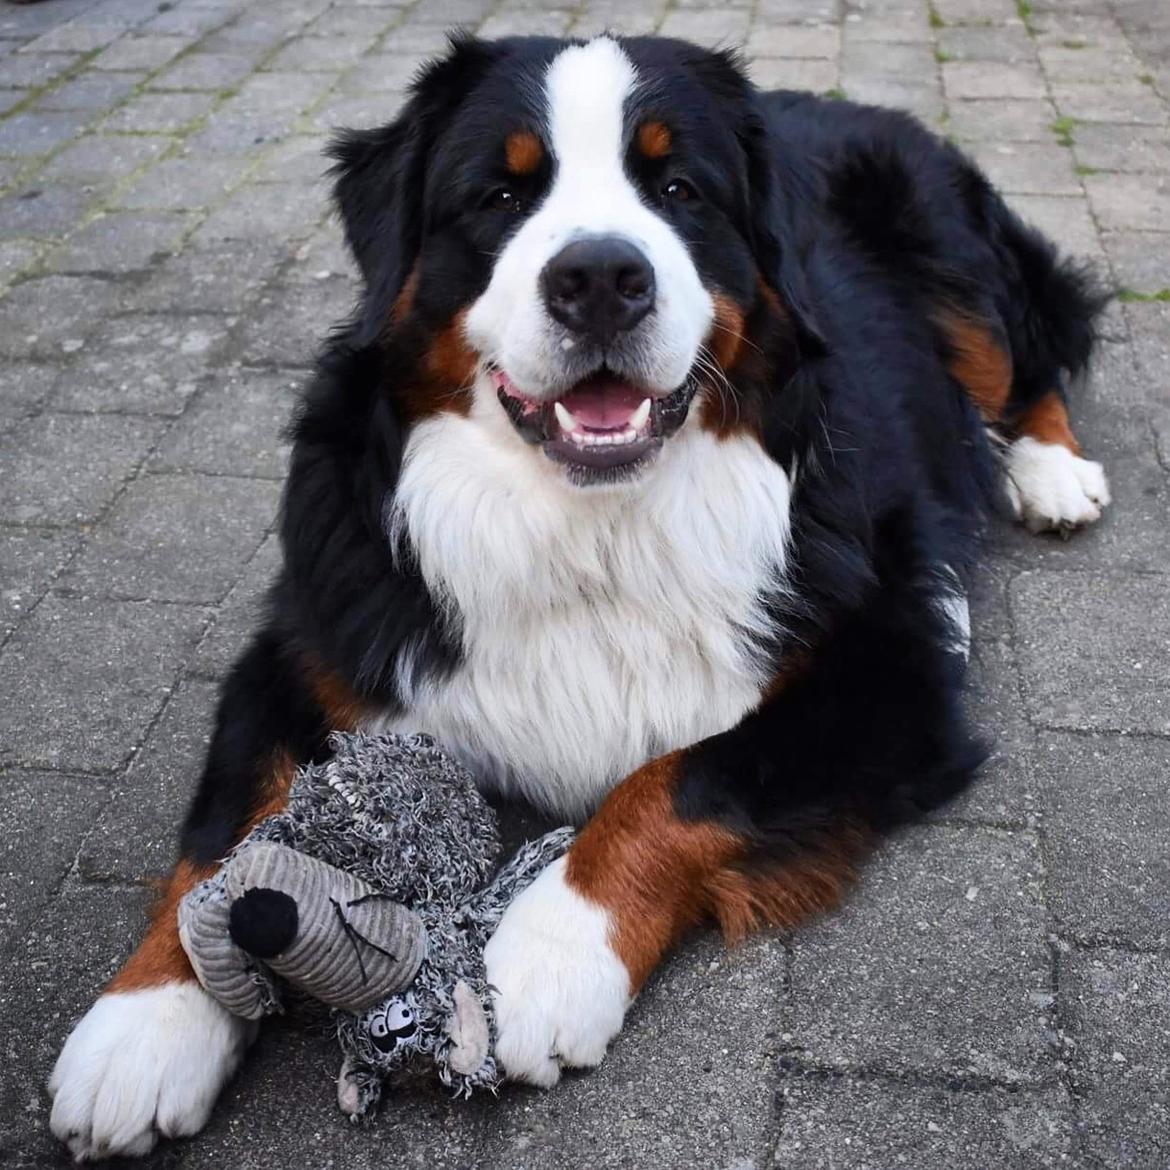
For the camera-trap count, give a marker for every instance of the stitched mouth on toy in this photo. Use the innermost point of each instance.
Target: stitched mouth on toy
(603, 429)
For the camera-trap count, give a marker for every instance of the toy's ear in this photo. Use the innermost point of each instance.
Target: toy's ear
(469, 1032)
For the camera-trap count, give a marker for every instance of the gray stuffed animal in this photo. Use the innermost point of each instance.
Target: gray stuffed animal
(370, 893)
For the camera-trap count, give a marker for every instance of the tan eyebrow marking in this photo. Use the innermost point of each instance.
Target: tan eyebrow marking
(654, 139)
(523, 152)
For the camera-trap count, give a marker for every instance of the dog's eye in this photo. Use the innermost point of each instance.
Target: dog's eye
(504, 200)
(678, 191)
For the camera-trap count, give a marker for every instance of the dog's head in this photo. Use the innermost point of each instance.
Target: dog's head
(579, 242)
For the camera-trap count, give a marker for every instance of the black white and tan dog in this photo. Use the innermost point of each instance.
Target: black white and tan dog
(648, 476)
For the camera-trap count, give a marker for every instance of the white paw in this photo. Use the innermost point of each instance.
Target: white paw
(1051, 489)
(561, 992)
(141, 1064)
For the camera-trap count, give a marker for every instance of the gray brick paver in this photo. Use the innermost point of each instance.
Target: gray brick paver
(167, 271)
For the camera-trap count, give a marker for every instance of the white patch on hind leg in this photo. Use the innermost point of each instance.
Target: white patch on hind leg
(1051, 489)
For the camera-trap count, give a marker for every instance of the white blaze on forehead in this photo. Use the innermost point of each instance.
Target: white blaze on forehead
(586, 91)
(587, 88)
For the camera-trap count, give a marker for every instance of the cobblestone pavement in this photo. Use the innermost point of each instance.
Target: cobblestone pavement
(996, 991)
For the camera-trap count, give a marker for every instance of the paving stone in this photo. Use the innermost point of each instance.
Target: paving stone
(235, 427)
(720, 27)
(1111, 146)
(975, 11)
(45, 814)
(1107, 828)
(938, 961)
(358, 23)
(996, 43)
(990, 79)
(18, 256)
(104, 158)
(84, 678)
(240, 615)
(152, 797)
(258, 1120)
(39, 211)
(73, 36)
(923, 100)
(319, 54)
(682, 1084)
(1063, 218)
(1098, 103)
(795, 73)
(877, 60)
(1004, 120)
(99, 453)
(1029, 169)
(209, 71)
(90, 91)
(140, 52)
(1123, 1016)
(416, 40)
(843, 1124)
(121, 241)
(551, 23)
(38, 133)
(159, 113)
(55, 975)
(324, 255)
(179, 538)
(52, 315)
(904, 26)
(299, 160)
(29, 559)
(794, 40)
(1089, 662)
(147, 364)
(1141, 260)
(255, 211)
(354, 113)
(1130, 201)
(290, 321)
(1072, 63)
(180, 183)
(384, 72)
(219, 278)
(36, 69)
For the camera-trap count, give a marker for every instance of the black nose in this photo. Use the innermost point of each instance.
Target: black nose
(598, 287)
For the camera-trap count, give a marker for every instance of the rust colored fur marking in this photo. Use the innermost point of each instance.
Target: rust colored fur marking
(160, 957)
(659, 875)
(979, 363)
(404, 302)
(523, 152)
(1046, 421)
(343, 708)
(654, 140)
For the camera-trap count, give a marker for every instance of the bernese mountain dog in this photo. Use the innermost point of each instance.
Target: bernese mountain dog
(648, 476)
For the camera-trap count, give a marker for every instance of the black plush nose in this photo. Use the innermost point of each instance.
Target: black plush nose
(598, 287)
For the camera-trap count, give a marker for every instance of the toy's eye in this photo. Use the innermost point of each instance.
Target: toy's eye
(399, 1018)
(503, 199)
(678, 191)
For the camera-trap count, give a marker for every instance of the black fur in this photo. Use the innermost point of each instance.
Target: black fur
(864, 225)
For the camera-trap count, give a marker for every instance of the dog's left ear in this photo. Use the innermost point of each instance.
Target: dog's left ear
(380, 175)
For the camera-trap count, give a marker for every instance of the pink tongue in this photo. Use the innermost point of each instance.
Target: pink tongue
(603, 406)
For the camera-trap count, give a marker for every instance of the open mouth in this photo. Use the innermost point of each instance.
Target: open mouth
(601, 429)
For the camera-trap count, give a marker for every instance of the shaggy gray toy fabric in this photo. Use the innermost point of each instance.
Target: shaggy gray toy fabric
(402, 816)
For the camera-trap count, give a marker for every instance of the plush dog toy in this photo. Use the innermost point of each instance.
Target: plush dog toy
(370, 893)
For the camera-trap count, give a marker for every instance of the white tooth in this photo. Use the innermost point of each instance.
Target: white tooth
(639, 417)
(564, 417)
(629, 436)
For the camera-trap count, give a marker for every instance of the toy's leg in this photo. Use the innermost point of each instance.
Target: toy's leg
(764, 823)
(152, 1054)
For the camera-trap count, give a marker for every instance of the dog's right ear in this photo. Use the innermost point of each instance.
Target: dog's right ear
(380, 175)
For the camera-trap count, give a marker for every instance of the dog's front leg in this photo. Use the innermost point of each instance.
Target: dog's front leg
(574, 948)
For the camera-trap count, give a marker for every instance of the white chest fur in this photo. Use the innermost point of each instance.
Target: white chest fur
(599, 628)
